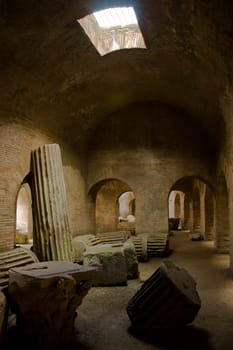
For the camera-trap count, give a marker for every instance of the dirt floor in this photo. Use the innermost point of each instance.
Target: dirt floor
(103, 323)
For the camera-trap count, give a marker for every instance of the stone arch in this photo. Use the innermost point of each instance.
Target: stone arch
(197, 205)
(105, 195)
(222, 241)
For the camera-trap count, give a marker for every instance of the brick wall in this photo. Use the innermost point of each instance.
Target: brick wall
(149, 147)
(16, 142)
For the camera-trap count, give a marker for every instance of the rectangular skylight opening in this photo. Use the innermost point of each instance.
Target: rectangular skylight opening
(113, 29)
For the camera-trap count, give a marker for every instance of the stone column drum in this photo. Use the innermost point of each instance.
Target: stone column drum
(168, 299)
(52, 239)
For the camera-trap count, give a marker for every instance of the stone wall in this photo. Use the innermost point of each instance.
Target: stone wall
(224, 217)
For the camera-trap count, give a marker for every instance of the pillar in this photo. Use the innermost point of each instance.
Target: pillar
(52, 239)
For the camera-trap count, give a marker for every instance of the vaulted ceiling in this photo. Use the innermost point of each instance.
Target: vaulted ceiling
(52, 76)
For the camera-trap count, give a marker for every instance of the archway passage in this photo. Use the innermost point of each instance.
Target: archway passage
(175, 210)
(24, 222)
(126, 203)
(114, 206)
(196, 207)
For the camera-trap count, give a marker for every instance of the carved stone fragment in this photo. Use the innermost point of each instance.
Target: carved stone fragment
(45, 297)
(158, 244)
(114, 236)
(168, 299)
(14, 258)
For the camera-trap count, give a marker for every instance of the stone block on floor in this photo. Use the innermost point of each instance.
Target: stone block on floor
(131, 260)
(110, 262)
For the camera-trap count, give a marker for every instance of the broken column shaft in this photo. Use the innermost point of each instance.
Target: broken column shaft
(52, 238)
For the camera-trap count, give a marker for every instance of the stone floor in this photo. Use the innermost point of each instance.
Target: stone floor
(103, 323)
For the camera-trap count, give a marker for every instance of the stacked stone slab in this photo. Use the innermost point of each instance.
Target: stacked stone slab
(52, 236)
(14, 258)
(168, 299)
(115, 236)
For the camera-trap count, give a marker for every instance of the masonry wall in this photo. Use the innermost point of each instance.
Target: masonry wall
(149, 147)
(16, 142)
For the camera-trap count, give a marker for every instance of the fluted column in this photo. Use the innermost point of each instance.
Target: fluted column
(52, 238)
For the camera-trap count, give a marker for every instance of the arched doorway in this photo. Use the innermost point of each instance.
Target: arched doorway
(114, 206)
(175, 210)
(24, 222)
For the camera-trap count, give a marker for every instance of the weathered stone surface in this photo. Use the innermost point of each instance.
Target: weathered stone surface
(51, 231)
(113, 236)
(3, 317)
(140, 244)
(158, 244)
(45, 297)
(168, 299)
(110, 263)
(131, 260)
(80, 244)
(14, 258)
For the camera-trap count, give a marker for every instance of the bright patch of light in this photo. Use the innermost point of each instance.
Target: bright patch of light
(113, 17)
(113, 29)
